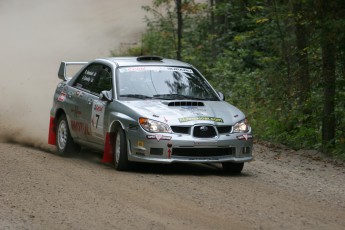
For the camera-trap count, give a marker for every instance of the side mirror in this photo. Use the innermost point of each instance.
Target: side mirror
(105, 96)
(221, 96)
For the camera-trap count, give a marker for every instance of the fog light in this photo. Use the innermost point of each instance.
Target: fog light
(245, 137)
(156, 151)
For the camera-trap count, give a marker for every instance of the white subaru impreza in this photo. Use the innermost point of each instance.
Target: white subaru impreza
(147, 109)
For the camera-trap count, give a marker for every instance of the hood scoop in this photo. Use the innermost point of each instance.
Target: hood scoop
(186, 103)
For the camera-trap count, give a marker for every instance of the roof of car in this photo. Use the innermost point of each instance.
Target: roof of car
(146, 60)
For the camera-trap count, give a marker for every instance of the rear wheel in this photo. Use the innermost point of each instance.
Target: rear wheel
(64, 141)
(121, 162)
(233, 168)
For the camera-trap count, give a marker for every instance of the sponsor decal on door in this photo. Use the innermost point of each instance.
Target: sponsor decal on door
(97, 118)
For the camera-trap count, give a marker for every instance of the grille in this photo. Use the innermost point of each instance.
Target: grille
(202, 152)
(180, 129)
(224, 129)
(204, 131)
(186, 129)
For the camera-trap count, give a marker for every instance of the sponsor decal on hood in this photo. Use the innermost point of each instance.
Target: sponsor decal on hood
(215, 119)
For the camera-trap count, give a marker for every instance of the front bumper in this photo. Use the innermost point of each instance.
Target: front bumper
(137, 158)
(169, 148)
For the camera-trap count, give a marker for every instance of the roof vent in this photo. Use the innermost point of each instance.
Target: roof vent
(149, 58)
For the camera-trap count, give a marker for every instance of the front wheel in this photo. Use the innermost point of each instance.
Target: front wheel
(64, 141)
(121, 162)
(232, 168)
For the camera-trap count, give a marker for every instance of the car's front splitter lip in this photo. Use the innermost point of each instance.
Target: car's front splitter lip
(213, 159)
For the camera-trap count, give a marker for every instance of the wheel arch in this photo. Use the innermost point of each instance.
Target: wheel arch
(59, 112)
(114, 125)
(109, 144)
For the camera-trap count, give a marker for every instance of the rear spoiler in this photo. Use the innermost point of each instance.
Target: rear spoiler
(63, 66)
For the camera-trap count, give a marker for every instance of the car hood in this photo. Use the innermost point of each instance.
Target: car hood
(187, 112)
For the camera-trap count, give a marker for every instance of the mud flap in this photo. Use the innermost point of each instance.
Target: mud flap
(109, 146)
(52, 132)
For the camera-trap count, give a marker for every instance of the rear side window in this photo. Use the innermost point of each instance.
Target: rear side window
(103, 80)
(94, 79)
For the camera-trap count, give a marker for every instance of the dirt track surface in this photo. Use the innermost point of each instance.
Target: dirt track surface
(279, 190)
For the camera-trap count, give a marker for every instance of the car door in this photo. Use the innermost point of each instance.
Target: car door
(83, 97)
(102, 82)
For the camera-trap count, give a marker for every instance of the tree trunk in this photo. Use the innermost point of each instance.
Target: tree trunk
(328, 47)
(302, 73)
(213, 31)
(179, 28)
(328, 74)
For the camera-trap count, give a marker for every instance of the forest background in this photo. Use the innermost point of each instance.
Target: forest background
(280, 61)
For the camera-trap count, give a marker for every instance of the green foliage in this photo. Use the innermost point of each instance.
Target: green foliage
(248, 50)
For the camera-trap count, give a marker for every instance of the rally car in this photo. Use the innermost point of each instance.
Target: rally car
(147, 109)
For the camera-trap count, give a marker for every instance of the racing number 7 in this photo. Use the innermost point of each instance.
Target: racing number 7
(97, 115)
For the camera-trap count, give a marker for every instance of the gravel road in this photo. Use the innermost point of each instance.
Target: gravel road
(281, 189)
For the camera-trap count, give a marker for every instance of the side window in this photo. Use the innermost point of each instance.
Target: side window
(103, 81)
(95, 79)
(87, 78)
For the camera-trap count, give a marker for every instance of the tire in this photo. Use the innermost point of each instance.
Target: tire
(64, 141)
(121, 162)
(232, 168)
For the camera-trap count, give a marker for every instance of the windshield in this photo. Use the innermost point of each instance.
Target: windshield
(167, 83)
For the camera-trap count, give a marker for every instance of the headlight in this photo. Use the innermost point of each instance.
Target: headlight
(241, 126)
(153, 126)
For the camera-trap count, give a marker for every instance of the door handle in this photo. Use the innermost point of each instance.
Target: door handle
(90, 100)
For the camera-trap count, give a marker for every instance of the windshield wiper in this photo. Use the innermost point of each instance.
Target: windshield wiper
(177, 96)
(169, 96)
(140, 96)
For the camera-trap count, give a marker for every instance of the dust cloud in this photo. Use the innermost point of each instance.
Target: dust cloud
(35, 37)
